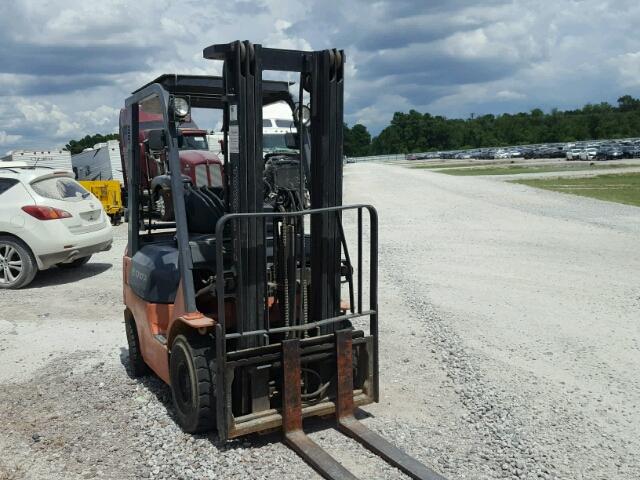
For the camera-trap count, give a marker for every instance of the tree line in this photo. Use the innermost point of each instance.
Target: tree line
(77, 146)
(421, 132)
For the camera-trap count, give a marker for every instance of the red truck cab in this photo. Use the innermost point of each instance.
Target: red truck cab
(197, 162)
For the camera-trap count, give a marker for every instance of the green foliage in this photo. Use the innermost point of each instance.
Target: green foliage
(357, 140)
(517, 169)
(77, 146)
(622, 188)
(421, 132)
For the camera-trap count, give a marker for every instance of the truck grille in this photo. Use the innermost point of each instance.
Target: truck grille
(201, 176)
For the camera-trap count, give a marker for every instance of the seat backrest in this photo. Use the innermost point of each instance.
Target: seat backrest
(202, 211)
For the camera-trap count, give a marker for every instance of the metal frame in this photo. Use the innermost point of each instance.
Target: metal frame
(265, 331)
(182, 235)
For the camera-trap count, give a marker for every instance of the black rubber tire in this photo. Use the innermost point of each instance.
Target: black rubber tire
(136, 363)
(18, 251)
(192, 372)
(78, 262)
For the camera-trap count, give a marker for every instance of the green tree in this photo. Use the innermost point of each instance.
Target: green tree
(415, 132)
(627, 103)
(77, 146)
(357, 140)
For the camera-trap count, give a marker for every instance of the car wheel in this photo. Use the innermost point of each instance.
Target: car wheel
(192, 372)
(164, 206)
(17, 264)
(78, 262)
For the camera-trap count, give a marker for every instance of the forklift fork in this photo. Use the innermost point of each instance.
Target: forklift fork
(311, 452)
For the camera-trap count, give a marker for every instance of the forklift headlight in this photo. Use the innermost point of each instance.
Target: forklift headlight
(180, 107)
(302, 113)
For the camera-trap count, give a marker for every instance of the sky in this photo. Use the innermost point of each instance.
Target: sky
(66, 66)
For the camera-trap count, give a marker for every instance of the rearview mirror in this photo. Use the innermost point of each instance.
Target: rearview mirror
(156, 140)
(292, 140)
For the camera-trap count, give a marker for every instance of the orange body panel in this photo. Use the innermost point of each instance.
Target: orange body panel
(159, 319)
(148, 317)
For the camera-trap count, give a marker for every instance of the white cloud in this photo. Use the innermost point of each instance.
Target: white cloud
(6, 139)
(68, 65)
(628, 68)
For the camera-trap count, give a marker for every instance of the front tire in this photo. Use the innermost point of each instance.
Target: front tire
(18, 266)
(192, 372)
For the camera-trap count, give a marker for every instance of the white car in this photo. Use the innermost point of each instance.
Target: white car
(588, 153)
(574, 153)
(46, 219)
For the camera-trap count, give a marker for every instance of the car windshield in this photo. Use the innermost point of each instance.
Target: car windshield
(273, 141)
(194, 142)
(60, 188)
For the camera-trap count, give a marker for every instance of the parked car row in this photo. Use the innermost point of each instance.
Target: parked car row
(594, 150)
(603, 152)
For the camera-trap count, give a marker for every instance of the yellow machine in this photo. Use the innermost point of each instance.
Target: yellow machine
(110, 195)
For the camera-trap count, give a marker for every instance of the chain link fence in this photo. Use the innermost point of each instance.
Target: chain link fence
(377, 158)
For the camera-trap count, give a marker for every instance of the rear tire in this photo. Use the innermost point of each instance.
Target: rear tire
(18, 266)
(136, 362)
(78, 262)
(192, 372)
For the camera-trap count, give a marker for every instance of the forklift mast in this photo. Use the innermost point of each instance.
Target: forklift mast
(322, 73)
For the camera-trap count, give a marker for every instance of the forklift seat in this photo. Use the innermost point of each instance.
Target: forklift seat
(203, 250)
(204, 208)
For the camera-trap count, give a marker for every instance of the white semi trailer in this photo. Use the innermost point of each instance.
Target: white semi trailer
(56, 159)
(102, 162)
(276, 121)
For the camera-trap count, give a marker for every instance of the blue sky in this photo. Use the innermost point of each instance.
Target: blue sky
(66, 66)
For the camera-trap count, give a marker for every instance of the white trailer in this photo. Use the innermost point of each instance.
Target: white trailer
(102, 162)
(56, 159)
(213, 140)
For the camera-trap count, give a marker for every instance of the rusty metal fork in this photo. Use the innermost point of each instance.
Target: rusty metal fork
(350, 426)
(294, 437)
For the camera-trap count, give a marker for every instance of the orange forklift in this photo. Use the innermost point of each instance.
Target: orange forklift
(237, 303)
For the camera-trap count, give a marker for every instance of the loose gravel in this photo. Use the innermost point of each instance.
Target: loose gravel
(508, 329)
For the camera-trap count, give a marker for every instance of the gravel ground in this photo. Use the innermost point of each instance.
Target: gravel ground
(509, 348)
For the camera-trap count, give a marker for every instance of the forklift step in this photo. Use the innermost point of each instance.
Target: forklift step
(161, 338)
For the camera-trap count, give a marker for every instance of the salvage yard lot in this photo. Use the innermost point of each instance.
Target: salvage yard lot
(621, 188)
(509, 349)
(518, 169)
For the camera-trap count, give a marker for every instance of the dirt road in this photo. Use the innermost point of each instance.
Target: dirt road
(510, 344)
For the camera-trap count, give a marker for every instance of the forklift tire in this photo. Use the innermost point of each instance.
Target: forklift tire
(136, 362)
(191, 368)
